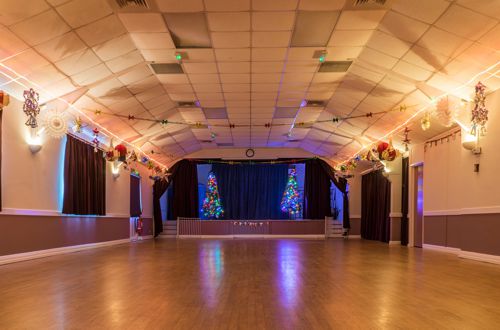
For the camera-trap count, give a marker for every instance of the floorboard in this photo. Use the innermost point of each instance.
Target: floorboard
(250, 284)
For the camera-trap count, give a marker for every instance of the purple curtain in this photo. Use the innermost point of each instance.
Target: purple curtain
(375, 206)
(84, 179)
(316, 191)
(135, 196)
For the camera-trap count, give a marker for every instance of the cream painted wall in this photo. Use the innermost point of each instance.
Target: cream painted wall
(260, 153)
(449, 180)
(355, 196)
(34, 181)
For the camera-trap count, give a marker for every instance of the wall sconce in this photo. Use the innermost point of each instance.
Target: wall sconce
(115, 169)
(35, 141)
(471, 142)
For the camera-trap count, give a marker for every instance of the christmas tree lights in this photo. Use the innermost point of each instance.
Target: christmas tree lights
(290, 203)
(212, 207)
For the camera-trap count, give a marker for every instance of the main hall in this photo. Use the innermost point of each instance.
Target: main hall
(249, 164)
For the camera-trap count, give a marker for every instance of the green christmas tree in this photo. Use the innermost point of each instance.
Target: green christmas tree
(212, 207)
(290, 202)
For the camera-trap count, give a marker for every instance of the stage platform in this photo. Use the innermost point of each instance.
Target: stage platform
(251, 228)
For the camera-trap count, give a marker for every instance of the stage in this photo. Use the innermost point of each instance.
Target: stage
(250, 228)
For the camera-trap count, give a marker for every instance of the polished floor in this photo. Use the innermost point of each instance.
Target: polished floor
(250, 284)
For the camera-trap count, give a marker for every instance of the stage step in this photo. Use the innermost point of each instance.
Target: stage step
(334, 228)
(169, 229)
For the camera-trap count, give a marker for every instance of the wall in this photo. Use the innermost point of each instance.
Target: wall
(32, 188)
(355, 204)
(260, 153)
(461, 207)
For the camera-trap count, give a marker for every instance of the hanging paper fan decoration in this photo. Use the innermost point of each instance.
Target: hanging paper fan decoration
(55, 124)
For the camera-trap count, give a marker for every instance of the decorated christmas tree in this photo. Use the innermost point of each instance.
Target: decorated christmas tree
(212, 207)
(290, 202)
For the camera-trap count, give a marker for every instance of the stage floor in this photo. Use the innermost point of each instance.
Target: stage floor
(250, 283)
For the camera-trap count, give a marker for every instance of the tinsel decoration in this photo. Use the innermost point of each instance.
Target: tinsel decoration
(212, 206)
(425, 122)
(77, 125)
(31, 107)
(95, 141)
(479, 112)
(290, 202)
(55, 123)
(406, 140)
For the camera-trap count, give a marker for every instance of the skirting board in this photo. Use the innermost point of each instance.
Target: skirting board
(135, 239)
(10, 258)
(253, 236)
(354, 236)
(394, 242)
(490, 258)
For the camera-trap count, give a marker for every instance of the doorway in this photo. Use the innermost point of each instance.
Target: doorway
(418, 205)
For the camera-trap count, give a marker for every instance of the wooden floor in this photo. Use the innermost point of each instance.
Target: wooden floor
(256, 284)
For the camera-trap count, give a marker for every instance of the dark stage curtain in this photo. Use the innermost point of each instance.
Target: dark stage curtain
(135, 196)
(84, 179)
(251, 191)
(316, 191)
(404, 200)
(1, 112)
(159, 188)
(185, 190)
(375, 206)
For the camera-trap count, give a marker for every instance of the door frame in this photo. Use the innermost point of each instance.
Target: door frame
(411, 205)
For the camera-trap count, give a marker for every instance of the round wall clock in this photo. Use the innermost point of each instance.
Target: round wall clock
(250, 152)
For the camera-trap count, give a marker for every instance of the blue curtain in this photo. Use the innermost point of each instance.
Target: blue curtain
(251, 191)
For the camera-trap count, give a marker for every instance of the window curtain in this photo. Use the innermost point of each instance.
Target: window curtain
(375, 206)
(404, 200)
(252, 191)
(135, 196)
(316, 191)
(185, 191)
(84, 179)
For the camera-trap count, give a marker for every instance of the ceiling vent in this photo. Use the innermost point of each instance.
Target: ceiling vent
(315, 103)
(138, 3)
(215, 113)
(335, 66)
(368, 4)
(166, 68)
(188, 30)
(225, 144)
(187, 104)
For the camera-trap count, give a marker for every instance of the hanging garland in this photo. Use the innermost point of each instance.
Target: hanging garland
(479, 112)
(31, 107)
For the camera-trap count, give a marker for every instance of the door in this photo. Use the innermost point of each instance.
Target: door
(419, 206)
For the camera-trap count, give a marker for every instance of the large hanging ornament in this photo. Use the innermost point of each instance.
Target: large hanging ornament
(122, 152)
(479, 112)
(55, 123)
(31, 107)
(425, 122)
(406, 140)
(4, 100)
(390, 153)
(95, 141)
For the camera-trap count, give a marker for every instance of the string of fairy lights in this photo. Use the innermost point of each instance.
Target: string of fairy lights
(99, 128)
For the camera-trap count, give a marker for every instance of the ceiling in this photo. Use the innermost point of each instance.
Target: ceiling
(249, 63)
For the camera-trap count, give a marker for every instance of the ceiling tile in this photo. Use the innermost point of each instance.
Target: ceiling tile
(92, 75)
(274, 5)
(135, 75)
(12, 12)
(207, 88)
(234, 67)
(488, 8)
(103, 30)
(125, 61)
(143, 22)
(46, 75)
(491, 39)
(388, 44)
(40, 28)
(78, 62)
(425, 59)
(402, 27)
(158, 55)
(423, 10)
(209, 78)
(412, 71)
(228, 88)
(114, 48)
(235, 21)
(61, 47)
(200, 67)
(266, 78)
(231, 39)
(303, 66)
(77, 13)
(198, 55)
(338, 53)
(10, 44)
(271, 39)
(177, 88)
(267, 67)
(242, 54)
(350, 37)
(173, 78)
(160, 40)
(268, 54)
(227, 5)
(273, 21)
(175, 6)
(377, 58)
(440, 41)
(359, 19)
(265, 87)
(235, 78)
(321, 4)
(465, 22)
